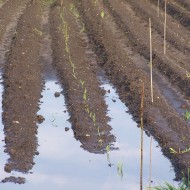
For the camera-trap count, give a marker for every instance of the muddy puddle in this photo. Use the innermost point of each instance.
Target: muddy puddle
(62, 163)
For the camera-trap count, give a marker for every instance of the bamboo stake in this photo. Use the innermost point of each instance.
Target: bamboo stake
(142, 127)
(150, 171)
(158, 9)
(165, 27)
(151, 81)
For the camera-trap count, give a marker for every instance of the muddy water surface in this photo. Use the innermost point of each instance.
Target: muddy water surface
(62, 163)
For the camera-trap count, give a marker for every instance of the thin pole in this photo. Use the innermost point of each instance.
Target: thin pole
(150, 171)
(142, 127)
(151, 81)
(165, 27)
(158, 10)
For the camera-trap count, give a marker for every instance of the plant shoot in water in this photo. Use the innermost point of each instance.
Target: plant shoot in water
(120, 169)
(108, 153)
(183, 185)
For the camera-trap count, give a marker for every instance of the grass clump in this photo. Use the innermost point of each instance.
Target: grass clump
(187, 115)
(183, 185)
(167, 186)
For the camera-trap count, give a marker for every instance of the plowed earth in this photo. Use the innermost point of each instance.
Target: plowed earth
(90, 37)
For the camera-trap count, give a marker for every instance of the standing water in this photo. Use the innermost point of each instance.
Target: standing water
(63, 164)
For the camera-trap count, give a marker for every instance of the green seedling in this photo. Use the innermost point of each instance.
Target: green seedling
(108, 153)
(87, 109)
(120, 169)
(83, 27)
(82, 83)
(184, 185)
(53, 120)
(95, 2)
(38, 32)
(172, 151)
(74, 75)
(74, 11)
(102, 14)
(85, 95)
(48, 2)
(66, 35)
(98, 131)
(187, 115)
(65, 31)
(100, 141)
(94, 118)
(187, 75)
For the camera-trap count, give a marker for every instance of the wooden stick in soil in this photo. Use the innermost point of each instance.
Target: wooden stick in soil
(158, 9)
(151, 85)
(165, 27)
(142, 127)
(150, 170)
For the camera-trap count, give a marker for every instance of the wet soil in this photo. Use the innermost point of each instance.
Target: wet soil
(167, 126)
(22, 90)
(89, 37)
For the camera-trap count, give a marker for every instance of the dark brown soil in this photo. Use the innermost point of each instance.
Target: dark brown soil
(167, 126)
(85, 45)
(81, 110)
(22, 83)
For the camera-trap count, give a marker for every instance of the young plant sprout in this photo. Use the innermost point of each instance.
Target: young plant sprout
(120, 169)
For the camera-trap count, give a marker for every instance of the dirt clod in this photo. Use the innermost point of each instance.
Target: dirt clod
(7, 168)
(40, 119)
(57, 94)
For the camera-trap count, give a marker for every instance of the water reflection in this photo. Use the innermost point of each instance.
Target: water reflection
(128, 139)
(62, 163)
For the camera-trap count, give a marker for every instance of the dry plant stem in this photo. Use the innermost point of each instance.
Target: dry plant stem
(165, 28)
(158, 10)
(142, 127)
(150, 171)
(150, 27)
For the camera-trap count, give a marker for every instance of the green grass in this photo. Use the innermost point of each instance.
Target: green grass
(167, 186)
(120, 169)
(183, 185)
(187, 115)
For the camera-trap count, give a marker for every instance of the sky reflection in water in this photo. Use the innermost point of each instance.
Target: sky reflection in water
(62, 164)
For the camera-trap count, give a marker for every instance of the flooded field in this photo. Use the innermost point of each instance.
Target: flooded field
(58, 167)
(78, 98)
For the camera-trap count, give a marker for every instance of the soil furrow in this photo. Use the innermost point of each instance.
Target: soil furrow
(77, 73)
(9, 34)
(177, 36)
(178, 12)
(161, 119)
(184, 3)
(170, 65)
(22, 91)
(2, 3)
(9, 9)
